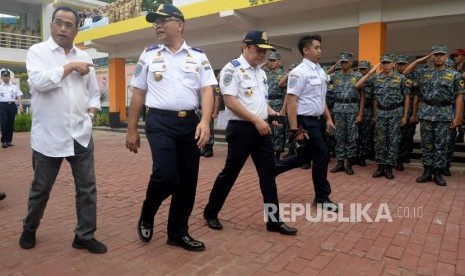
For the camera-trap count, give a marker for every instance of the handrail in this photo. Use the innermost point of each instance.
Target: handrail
(18, 41)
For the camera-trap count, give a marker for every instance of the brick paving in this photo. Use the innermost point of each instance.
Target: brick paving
(433, 244)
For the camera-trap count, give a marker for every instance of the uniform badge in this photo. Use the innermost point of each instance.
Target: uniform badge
(138, 70)
(462, 84)
(197, 69)
(408, 83)
(245, 76)
(227, 79)
(248, 92)
(292, 82)
(190, 59)
(158, 76)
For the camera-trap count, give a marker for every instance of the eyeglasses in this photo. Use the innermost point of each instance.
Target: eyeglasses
(164, 20)
(59, 24)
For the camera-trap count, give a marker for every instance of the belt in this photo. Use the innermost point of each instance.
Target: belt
(319, 117)
(347, 101)
(390, 106)
(7, 102)
(275, 97)
(172, 113)
(437, 103)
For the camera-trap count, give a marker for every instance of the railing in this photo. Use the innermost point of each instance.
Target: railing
(18, 41)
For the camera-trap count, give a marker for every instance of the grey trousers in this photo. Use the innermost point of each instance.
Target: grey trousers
(45, 173)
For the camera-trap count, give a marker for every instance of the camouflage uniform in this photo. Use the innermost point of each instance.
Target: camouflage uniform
(275, 101)
(438, 89)
(331, 139)
(389, 94)
(346, 107)
(366, 144)
(408, 130)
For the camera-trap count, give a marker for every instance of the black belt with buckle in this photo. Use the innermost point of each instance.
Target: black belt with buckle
(172, 113)
(7, 102)
(437, 103)
(390, 106)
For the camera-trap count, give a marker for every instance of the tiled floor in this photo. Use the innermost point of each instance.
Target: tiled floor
(426, 235)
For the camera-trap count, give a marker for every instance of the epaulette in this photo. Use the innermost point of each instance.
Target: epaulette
(151, 47)
(235, 63)
(196, 49)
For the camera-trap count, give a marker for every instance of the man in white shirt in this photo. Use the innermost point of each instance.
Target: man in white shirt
(306, 111)
(169, 78)
(9, 93)
(65, 98)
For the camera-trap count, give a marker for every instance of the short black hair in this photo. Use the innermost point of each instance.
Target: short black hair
(67, 9)
(305, 40)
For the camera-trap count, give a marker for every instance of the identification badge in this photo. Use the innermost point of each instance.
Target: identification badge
(158, 76)
(248, 92)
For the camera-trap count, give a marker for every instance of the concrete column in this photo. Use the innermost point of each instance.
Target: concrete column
(371, 41)
(117, 86)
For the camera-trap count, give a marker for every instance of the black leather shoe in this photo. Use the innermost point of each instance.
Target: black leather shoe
(27, 239)
(339, 167)
(9, 144)
(2, 196)
(327, 205)
(281, 228)
(446, 172)
(187, 242)
(92, 245)
(307, 165)
(145, 231)
(4, 145)
(213, 223)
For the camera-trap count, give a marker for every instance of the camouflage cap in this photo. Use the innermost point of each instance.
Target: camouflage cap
(401, 59)
(439, 49)
(364, 64)
(275, 55)
(450, 63)
(345, 56)
(387, 57)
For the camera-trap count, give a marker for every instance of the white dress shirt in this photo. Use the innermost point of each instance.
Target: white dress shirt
(173, 80)
(59, 106)
(9, 92)
(248, 84)
(309, 82)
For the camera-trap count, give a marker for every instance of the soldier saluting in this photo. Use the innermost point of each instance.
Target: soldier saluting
(439, 107)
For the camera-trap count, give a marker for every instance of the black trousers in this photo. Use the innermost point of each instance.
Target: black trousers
(316, 151)
(175, 169)
(8, 112)
(243, 141)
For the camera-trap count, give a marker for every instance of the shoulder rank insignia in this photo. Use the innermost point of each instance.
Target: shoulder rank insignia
(151, 47)
(235, 63)
(197, 49)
